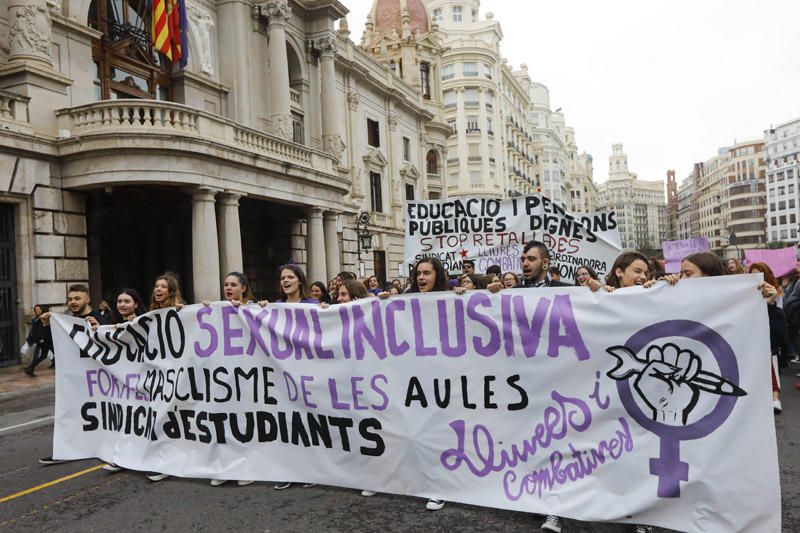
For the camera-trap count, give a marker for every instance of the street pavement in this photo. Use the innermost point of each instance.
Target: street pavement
(79, 496)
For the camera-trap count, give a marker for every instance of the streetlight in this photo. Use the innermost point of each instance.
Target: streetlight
(363, 237)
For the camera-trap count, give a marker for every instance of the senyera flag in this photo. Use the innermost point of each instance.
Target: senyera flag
(170, 30)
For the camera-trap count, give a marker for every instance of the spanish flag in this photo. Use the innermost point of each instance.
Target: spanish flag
(170, 30)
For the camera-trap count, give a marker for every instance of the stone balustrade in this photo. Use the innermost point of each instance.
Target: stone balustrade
(13, 107)
(114, 117)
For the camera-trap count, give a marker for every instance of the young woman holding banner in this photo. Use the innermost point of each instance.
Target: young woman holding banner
(429, 275)
(166, 293)
(777, 331)
(236, 289)
(294, 289)
(129, 306)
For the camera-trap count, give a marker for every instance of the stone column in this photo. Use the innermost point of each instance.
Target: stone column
(331, 99)
(330, 223)
(484, 125)
(205, 249)
(30, 35)
(233, 31)
(230, 235)
(315, 246)
(461, 134)
(278, 13)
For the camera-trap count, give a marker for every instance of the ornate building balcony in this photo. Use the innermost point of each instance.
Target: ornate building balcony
(151, 140)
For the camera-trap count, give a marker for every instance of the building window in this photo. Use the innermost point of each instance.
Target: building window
(475, 178)
(432, 163)
(448, 71)
(425, 80)
(126, 64)
(437, 16)
(409, 192)
(469, 69)
(452, 123)
(472, 124)
(449, 98)
(376, 191)
(487, 70)
(406, 149)
(456, 13)
(471, 96)
(373, 133)
(298, 135)
(489, 128)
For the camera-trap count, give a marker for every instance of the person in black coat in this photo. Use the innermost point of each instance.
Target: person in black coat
(39, 338)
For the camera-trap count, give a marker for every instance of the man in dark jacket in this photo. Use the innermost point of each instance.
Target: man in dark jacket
(78, 305)
(535, 264)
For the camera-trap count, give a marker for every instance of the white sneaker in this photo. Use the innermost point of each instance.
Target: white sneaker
(218, 482)
(776, 406)
(434, 504)
(282, 485)
(308, 485)
(552, 523)
(643, 529)
(157, 476)
(368, 493)
(111, 467)
(245, 482)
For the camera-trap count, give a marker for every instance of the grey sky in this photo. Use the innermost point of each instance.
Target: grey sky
(674, 81)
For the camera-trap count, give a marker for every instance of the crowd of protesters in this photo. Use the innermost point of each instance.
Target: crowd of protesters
(428, 275)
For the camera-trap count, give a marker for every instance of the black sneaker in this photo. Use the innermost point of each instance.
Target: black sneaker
(29, 371)
(50, 461)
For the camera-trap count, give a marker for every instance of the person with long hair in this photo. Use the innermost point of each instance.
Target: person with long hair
(734, 266)
(707, 264)
(470, 282)
(294, 289)
(777, 330)
(428, 276)
(236, 288)
(629, 269)
(294, 286)
(166, 293)
(351, 290)
(128, 306)
(319, 292)
(373, 285)
(510, 280)
(584, 275)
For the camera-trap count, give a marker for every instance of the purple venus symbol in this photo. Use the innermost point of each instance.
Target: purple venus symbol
(668, 466)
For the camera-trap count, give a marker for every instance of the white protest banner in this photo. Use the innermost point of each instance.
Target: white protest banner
(493, 232)
(642, 405)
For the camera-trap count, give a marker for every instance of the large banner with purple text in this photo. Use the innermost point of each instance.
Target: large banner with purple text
(641, 406)
(493, 232)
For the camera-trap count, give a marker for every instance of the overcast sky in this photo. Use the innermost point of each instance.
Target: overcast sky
(673, 81)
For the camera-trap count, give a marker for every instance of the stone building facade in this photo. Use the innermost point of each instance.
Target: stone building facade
(641, 206)
(782, 150)
(117, 166)
(506, 140)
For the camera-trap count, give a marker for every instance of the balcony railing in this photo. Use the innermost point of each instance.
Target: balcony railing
(144, 117)
(13, 107)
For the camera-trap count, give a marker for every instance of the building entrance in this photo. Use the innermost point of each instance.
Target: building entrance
(9, 353)
(136, 233)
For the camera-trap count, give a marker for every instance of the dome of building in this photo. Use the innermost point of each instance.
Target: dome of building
(387, 15)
